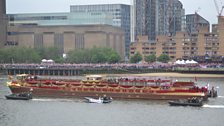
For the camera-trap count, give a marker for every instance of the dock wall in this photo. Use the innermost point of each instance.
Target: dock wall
(72, 72)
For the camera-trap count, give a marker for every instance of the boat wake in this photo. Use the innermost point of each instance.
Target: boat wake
(213, 106)
(54, 100)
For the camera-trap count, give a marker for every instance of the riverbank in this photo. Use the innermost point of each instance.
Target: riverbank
(172, 75)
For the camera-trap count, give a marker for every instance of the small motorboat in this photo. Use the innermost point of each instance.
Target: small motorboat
(187, 102)
(107, 99)
(212, 93)
(99, 100)
(20, 96)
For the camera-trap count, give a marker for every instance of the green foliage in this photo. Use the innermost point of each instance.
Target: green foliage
(114, 58)
(50, 53)
(19, 55)
(150, 58)
(99, 55)
(29, 55)
(94, 55)
(77, 56)
(163, 58)
(136, 58)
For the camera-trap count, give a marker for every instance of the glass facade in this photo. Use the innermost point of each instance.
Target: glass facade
(51, 19)
(158, 17)
(194, 21)
(3, 22)
(170, 16)
(120, 17)
(146, 18)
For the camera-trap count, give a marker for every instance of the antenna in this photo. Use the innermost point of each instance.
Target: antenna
(196, 11)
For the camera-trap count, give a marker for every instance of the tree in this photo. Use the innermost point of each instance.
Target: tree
(136, 58)
(150, 58)
(99, 55)
(114, 58)
(111, 55)
(163, 58)
(19, 55)
(77, 56)
(50, 53)
(94, 55)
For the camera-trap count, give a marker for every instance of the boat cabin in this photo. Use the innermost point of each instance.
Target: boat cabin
(93, 78)
(22, 76)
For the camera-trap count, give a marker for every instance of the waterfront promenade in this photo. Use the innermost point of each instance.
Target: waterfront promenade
(80, 69)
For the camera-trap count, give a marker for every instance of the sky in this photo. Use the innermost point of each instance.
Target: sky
(206, 8)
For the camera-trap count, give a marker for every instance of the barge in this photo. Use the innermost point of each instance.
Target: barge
(118, 88)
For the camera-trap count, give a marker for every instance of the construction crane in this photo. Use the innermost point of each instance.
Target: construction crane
(217, 8)
(196, 18)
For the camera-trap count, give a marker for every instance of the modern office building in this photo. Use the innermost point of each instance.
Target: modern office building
(133, 21)
(145, 18)
(121, 16)
(194, 22)
(67, 37)
(158, 17)
(200, 46)
(3, 23)
(170, 17)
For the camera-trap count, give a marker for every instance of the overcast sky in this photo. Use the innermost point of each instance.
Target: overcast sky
(205, 8)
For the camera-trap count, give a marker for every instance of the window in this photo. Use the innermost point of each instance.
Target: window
(12, 33)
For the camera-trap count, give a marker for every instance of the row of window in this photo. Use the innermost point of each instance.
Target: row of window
(211, 44)
(17, 33)
(11, 43)
(12, 18)
(186, 52)
(189, 40)
(169, 53)
(184, 48)
(169, 48)
(92, 8)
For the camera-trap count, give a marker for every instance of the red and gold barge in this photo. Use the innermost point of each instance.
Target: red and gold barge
(95, 86)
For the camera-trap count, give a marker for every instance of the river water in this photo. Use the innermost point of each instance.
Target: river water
(76, 112)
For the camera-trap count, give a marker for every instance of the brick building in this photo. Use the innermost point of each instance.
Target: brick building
(67, 37)
(201, 46)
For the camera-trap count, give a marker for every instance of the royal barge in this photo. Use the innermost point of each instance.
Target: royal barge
(96, 85)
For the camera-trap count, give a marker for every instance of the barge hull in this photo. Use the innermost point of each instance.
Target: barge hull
(56, 93)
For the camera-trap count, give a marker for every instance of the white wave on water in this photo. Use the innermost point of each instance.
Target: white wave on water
(220, 96)
(213, 106)
(54, 100)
